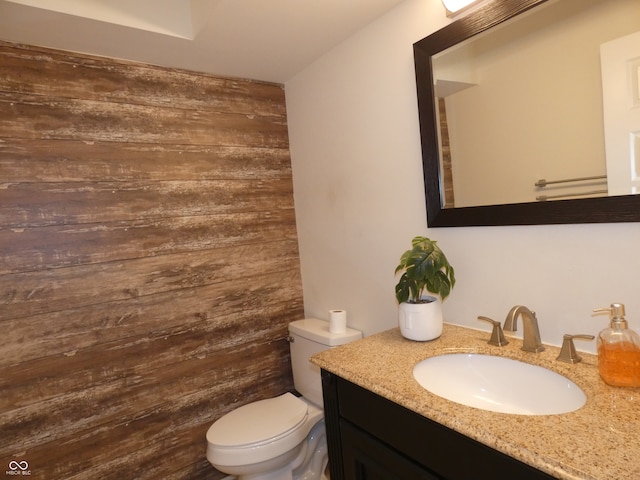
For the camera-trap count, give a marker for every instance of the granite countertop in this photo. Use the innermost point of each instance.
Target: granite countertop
(598, 441)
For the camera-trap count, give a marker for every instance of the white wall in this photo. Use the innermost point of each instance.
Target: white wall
(359, 197)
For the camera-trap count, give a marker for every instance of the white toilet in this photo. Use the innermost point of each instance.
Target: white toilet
(281, 438)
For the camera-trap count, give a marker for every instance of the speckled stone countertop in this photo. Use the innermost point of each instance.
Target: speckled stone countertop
(598, 441)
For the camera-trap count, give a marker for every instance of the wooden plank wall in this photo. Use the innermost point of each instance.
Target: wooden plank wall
(148, 262)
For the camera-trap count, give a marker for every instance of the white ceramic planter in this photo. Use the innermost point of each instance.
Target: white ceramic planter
(421, 321)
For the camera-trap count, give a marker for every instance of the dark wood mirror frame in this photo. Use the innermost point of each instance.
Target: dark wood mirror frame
(624, 208)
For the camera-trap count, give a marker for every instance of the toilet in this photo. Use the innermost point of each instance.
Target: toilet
(281, 438)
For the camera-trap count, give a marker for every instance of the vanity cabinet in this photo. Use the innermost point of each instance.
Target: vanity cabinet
(373, 438)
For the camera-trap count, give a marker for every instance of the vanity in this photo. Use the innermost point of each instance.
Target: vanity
(381, 424)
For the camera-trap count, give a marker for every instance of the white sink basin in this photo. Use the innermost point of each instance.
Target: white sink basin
(499, 384)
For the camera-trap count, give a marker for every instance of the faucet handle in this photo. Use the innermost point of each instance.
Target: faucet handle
(568, 352)
(497, 336)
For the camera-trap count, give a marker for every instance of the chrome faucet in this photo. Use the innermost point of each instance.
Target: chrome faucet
(531, 336)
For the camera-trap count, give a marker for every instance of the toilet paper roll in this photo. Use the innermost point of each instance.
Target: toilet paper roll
(337, 321)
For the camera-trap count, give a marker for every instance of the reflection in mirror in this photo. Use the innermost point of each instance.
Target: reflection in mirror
(534, 109)
(526, 98)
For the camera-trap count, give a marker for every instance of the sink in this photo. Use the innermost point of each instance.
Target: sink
(498, 384)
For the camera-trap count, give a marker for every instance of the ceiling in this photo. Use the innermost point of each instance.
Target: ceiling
(270, 40)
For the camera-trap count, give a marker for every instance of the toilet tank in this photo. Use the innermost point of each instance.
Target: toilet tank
(306, 338)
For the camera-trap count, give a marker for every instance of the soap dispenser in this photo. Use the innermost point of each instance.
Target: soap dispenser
(618, 350)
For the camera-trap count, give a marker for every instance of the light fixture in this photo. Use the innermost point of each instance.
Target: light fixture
(457, 6)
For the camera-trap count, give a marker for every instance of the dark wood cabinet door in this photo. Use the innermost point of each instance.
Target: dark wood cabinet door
(366, 458)
(372, 438)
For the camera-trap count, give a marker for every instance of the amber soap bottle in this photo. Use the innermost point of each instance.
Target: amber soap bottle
(618, 350)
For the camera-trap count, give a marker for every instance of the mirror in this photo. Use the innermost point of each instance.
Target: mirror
(487, 142)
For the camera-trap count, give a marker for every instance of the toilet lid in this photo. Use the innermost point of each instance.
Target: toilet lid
(258, 421)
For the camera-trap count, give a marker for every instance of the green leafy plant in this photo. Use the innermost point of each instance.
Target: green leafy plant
(425, 268)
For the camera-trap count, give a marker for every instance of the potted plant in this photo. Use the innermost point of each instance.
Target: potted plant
(425, 269)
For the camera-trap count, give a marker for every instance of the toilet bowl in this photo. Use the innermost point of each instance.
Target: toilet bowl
(263, 436)
(281, 438)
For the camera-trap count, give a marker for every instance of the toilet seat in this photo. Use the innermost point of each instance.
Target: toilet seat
(258, 422)
(258, 431)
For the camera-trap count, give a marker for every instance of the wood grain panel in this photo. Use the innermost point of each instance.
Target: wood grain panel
(32, 293)
(37, 117)
(30, 71)
(77, 161)
(148, 262)
(119, 387)
(27, 249)
(67, 331)
(101, 202)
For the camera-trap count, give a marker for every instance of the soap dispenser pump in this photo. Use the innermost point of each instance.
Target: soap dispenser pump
(618, 350)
